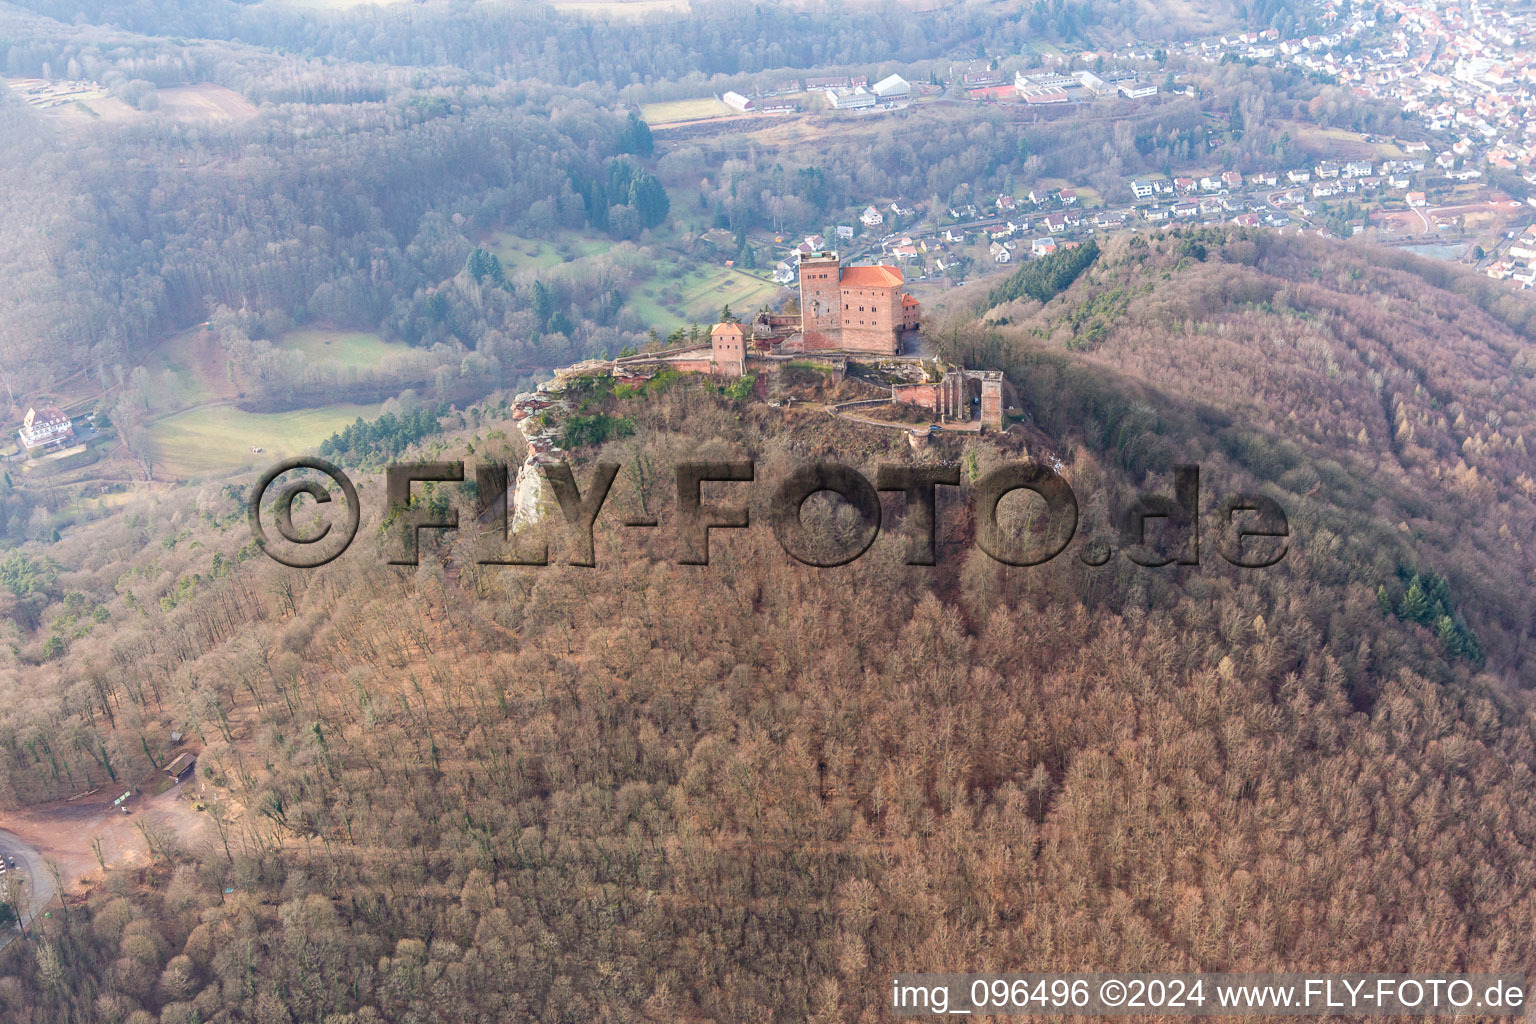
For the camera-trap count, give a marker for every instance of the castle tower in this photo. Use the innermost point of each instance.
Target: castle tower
(992, 399)
(728, 349)
(821, 302)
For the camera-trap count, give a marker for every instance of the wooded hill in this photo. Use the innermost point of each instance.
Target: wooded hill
(752, 791)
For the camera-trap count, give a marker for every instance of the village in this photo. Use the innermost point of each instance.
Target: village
(1463, 188)
(1406, 201)
(1467, 70)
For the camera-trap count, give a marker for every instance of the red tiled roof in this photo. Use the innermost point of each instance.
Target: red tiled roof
(872, 277)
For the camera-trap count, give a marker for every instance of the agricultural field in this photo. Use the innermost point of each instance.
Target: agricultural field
(220, 437)
(672, 111)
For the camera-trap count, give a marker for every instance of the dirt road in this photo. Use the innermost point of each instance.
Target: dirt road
(76, 837)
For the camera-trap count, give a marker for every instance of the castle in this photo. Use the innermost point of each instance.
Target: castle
(844, 312)
(842, 309)
(849, 310)
(853, 309)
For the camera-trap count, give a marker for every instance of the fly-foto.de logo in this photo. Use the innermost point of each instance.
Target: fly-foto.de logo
(1247, 529)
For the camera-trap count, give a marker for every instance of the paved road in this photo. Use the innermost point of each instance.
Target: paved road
(29, 872)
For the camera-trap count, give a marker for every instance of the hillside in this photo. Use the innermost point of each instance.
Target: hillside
(752, 790)
(1385, 397)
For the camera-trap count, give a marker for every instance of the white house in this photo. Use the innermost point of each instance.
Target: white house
(871, 217)
(892, 87)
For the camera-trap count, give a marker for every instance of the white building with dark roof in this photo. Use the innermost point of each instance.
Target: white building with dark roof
(46, 428)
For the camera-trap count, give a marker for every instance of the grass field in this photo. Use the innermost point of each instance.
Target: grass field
(187, 355)
(1340, 144)
(347, 348)
(668, 303)
(518, 253)
(191, 356)
(672, 111)
(220, 437)
(664, 301)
